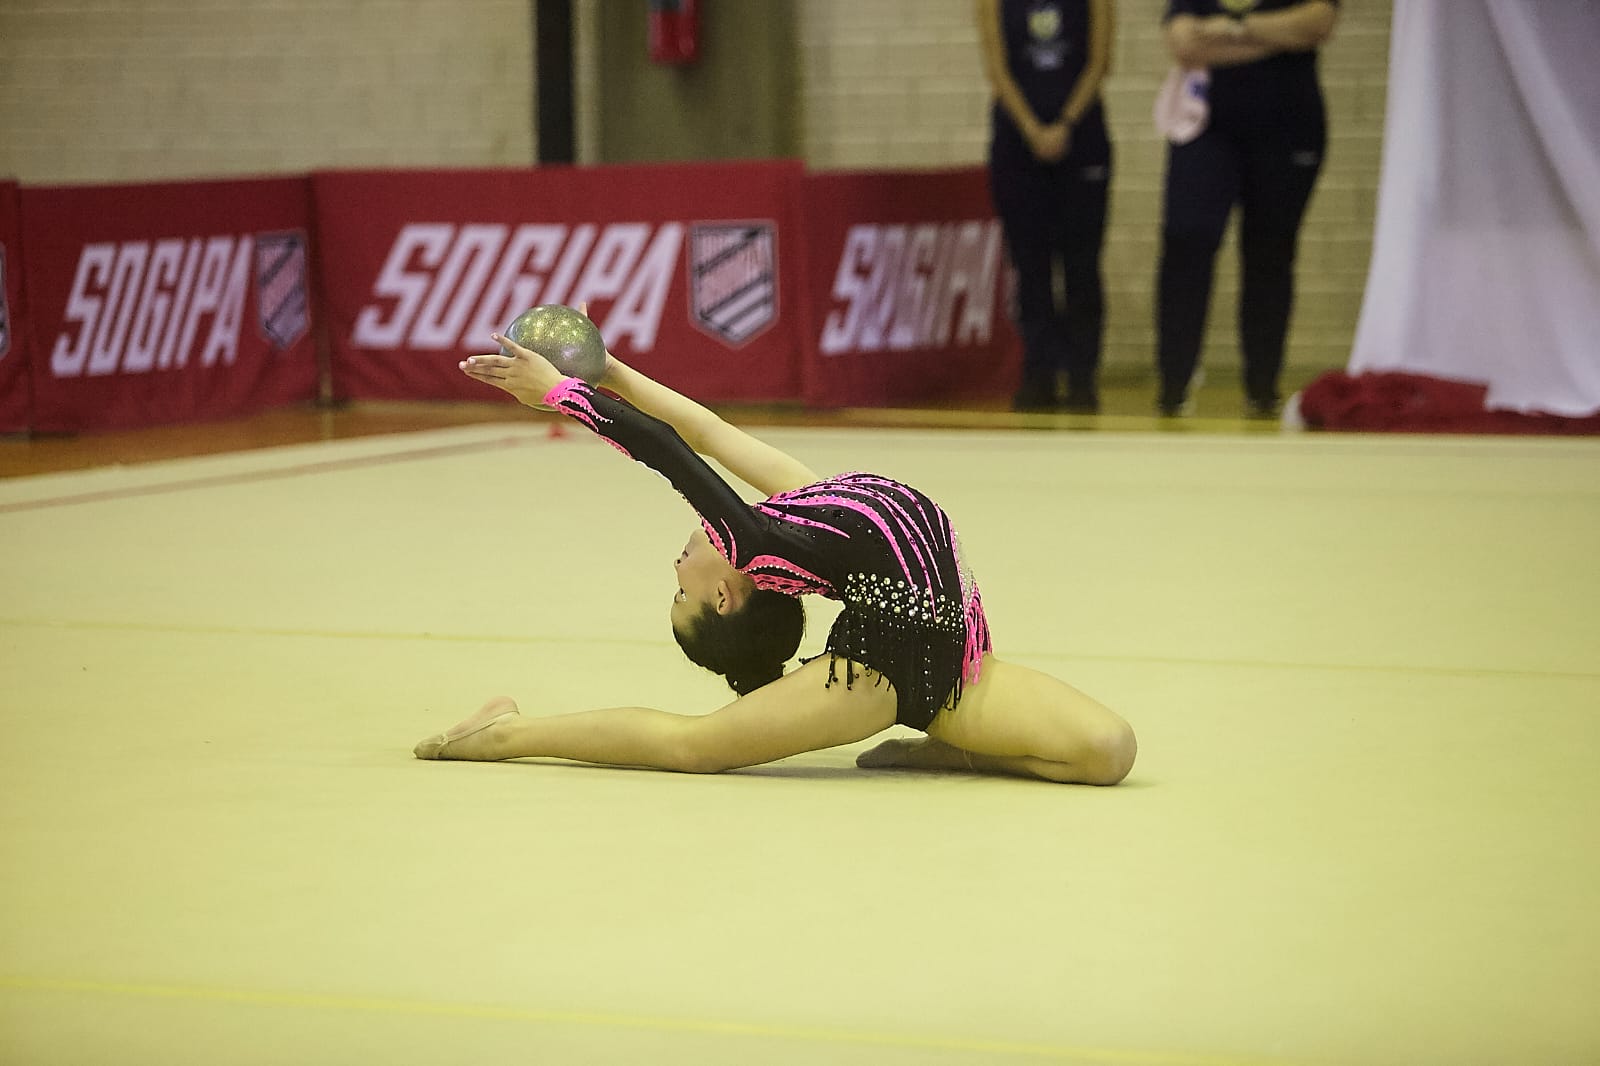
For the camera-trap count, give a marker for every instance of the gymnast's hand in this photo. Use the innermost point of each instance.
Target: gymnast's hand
(516, 370)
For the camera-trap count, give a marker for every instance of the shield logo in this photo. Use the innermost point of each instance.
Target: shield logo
(5, 308)
(733, 279)
(281, 289)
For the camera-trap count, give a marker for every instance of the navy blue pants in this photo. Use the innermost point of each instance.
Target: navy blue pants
(1054, 216)
(1271, 182)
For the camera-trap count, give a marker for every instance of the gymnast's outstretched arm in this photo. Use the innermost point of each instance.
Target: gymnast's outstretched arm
(758, 464)
(736, 529)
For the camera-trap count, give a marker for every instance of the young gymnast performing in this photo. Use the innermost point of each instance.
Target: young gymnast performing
(911, 644)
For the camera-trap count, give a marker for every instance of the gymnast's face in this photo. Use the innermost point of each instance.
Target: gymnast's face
(705, 579)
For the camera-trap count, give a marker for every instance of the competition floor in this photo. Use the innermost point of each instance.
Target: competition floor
(1363, 672)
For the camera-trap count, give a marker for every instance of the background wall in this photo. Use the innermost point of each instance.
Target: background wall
(130, 90)
(739, 101)
(898, 83)
(102, 90)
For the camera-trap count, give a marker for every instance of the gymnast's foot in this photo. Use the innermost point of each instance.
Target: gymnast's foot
(472, 739)
(914, 753)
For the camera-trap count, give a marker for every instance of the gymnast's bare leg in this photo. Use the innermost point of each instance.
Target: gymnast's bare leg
(1020, 722)
(1011, 721)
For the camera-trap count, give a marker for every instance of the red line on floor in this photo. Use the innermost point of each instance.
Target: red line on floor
(219, 480)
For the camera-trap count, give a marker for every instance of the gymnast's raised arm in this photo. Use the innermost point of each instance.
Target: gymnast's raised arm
(757, 463)
(530, 378)
(737, 530)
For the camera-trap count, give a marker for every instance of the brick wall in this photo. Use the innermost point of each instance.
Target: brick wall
(127, 90)
(892, 83)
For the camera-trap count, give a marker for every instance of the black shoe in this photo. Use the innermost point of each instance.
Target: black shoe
(1032, 397)
(1259, 407)
(1174, 404)
(1081, 402)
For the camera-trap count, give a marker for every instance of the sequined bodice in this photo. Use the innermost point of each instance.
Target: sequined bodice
(866, 540)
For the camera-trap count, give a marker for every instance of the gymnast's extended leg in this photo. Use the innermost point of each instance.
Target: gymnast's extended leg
(1022, 722)
(797, 713)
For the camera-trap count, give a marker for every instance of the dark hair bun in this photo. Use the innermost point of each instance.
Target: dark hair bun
(750, 646)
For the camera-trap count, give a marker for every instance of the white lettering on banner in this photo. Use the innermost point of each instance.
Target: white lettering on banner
(138, 305)
(901, 285)
(446, 287)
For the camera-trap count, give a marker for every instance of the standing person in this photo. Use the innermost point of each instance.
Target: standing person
(1049, 174)
(1262, 150)
(911, 644)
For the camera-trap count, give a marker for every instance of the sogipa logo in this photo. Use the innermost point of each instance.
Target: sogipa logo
(447, 287)
(138, 306)
(918, 286)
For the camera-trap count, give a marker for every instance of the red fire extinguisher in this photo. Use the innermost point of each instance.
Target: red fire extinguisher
(674, 31)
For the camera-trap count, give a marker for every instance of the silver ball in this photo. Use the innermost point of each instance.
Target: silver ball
(565, 337)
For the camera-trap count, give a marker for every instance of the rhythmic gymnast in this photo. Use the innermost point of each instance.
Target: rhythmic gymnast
(911, 645)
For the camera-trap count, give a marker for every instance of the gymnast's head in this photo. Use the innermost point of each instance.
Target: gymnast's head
(727, 625)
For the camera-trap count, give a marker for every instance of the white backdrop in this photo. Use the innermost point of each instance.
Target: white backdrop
(1486, 259)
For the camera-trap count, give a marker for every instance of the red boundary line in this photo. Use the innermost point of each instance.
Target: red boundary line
(258, 475)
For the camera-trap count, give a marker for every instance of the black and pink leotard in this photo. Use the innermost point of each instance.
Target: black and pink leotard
(911, 609)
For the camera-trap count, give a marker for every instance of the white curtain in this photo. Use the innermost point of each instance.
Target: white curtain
(1486, 259)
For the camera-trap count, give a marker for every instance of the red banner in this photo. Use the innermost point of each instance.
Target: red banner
(904, 290)
(728, 281)
(690, 271)
(15, 403)
(151, 304)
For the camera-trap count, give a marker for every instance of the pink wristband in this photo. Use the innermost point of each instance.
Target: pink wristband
(560, 391)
